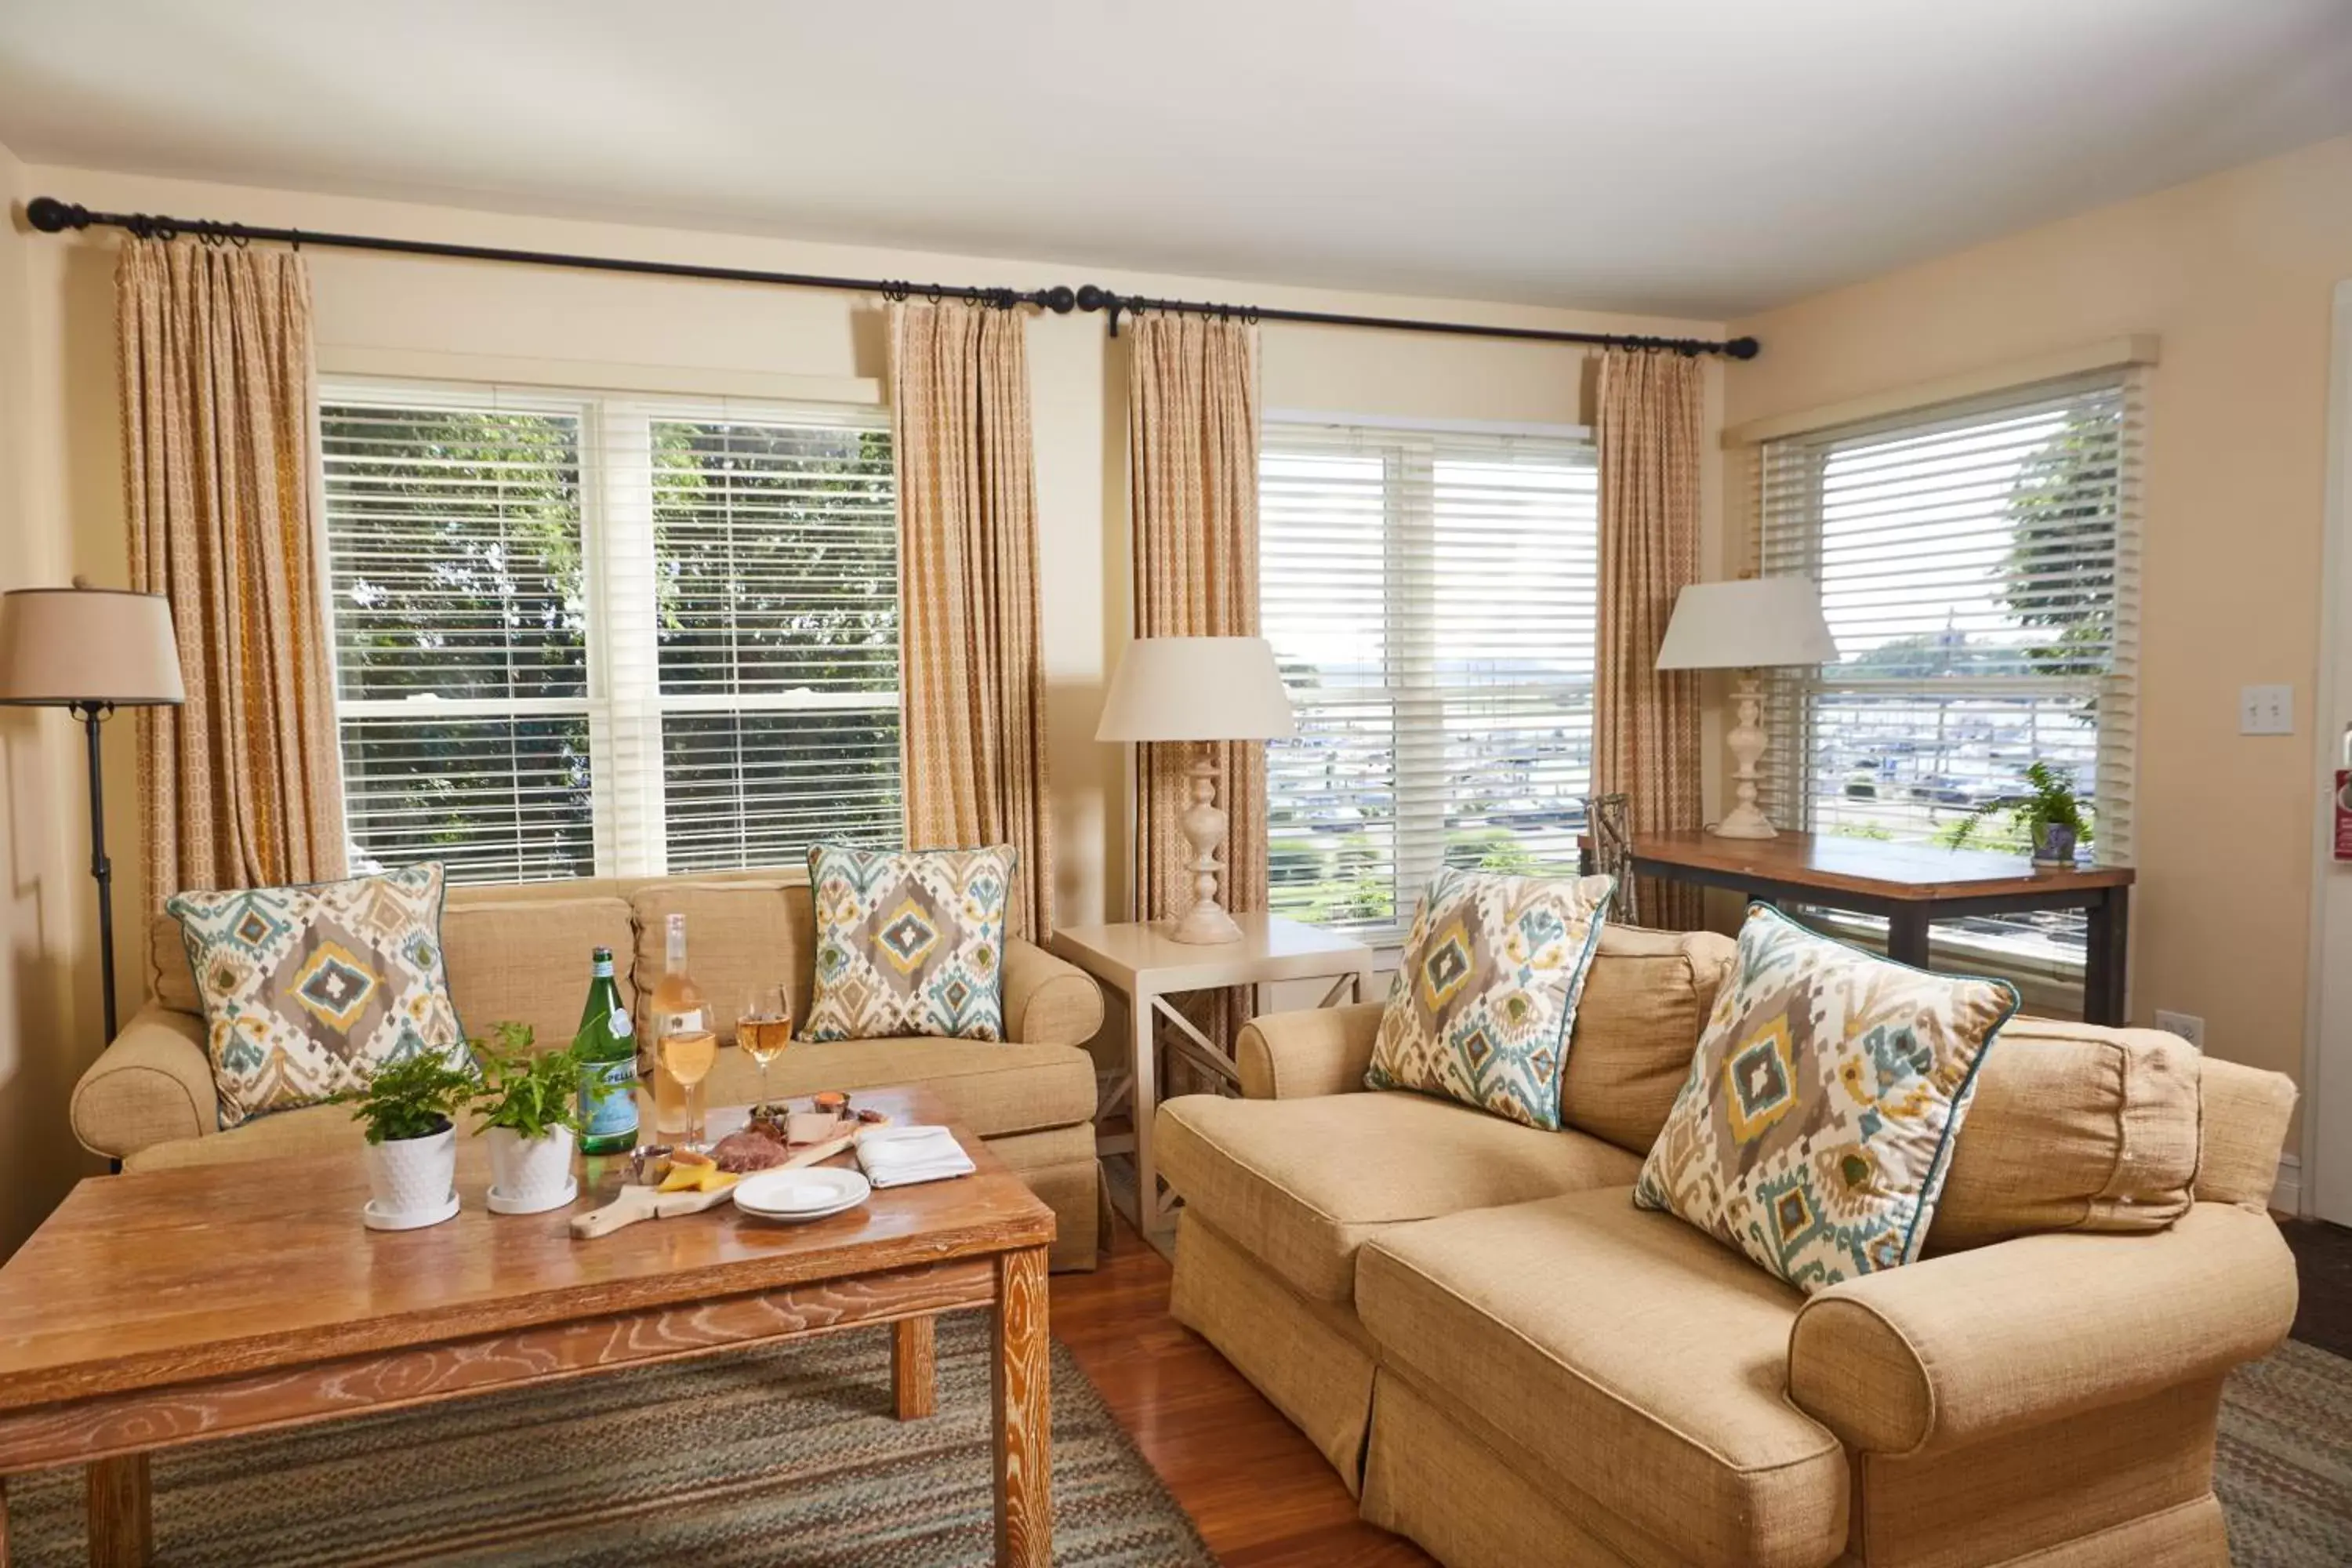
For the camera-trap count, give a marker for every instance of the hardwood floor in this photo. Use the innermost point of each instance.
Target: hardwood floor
(1260, 1494)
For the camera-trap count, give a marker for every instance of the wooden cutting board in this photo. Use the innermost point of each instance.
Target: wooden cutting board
(636, 1201)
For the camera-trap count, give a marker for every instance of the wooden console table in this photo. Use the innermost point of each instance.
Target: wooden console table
(1912, 885)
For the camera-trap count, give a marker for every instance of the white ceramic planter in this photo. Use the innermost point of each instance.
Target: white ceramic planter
(530, 1175)
(412, 1181)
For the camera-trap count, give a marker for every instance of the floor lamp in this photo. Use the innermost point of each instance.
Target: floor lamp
(89, 651)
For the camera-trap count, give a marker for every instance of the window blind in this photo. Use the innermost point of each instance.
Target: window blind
(1979, 565)
(1431, 599)
(609, 636)
(455, 560)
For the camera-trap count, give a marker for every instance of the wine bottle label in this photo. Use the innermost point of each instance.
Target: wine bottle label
(681, 1023)
(608, 1101)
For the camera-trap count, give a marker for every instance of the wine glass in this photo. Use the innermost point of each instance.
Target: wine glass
(688, 1056)
(764, 1028)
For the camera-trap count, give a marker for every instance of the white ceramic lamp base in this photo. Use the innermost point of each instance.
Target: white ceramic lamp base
(1747, 742)
(1206, 923)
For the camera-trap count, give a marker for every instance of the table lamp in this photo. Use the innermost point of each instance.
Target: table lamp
(1200, 690)
(1750, 624)
(89, 651)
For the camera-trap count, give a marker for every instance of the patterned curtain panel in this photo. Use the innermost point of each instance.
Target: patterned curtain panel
(972, 674)
(1646, 723)
(243, 786)
(1192, 428)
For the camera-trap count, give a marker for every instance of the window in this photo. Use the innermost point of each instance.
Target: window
(604, 636)
(1431, 600)
(1977, 565)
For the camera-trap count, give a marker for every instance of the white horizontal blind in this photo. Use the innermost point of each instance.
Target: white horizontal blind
(609, 636)
(1431, 599)
(776, 551)
(1979, 565)
(455, 562)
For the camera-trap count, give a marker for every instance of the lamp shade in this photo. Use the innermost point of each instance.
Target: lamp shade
(1197, 688)
(64, 645)
(1748, 624)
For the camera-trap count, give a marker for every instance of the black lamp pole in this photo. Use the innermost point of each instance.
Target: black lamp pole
(101, 869)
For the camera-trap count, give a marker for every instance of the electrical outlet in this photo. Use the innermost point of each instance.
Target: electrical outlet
(2266, 711)
(2188, 1026)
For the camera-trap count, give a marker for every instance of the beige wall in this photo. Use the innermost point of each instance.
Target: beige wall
(2234, 272)
(382, 305)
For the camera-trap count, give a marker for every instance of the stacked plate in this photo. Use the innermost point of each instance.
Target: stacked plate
(803, 1194)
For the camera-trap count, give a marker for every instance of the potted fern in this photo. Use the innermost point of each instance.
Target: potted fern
(408, 1107)
(530, 1114)
(2053, 818)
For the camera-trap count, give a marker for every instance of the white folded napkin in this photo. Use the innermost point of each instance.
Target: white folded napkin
(900, 1156)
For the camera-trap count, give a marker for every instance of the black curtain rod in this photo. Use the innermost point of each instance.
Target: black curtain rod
(51, 216)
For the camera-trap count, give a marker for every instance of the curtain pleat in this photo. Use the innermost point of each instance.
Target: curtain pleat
(242, 787)
(972, 730)
(1645, 720)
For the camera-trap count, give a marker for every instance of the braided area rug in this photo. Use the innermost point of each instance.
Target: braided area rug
(783, 1456)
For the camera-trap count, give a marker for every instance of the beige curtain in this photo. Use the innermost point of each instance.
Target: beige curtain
(1192, 430)
(242, 785)
(972, 731)
(1646, 723)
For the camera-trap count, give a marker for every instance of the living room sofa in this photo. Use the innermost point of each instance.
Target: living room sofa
(521, 952)
(1510, 1363)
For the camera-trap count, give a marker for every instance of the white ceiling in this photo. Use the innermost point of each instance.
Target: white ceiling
(1696, 157)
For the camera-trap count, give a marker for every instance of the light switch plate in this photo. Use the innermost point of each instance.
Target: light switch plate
(2266, 711)
(2188, 1026)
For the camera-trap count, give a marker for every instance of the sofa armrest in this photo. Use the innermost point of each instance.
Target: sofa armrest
(1964, 1347)
(1048, 1001)
(153, 1084)
(1317, 1050)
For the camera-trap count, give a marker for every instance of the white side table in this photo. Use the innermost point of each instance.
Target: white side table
(1142, 964)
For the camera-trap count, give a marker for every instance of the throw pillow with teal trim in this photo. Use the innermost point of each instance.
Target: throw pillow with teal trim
(1486, 991)
(1816, 1127)
(909, 943)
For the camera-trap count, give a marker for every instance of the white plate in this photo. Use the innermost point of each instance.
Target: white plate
(810, 1193)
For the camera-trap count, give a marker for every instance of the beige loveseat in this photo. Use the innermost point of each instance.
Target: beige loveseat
(1515, 1367)
(521, 952)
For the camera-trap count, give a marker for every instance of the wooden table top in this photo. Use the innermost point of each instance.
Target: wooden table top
(144, 1280)
(1920, 872)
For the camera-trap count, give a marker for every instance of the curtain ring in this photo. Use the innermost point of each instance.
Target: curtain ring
(935, 294)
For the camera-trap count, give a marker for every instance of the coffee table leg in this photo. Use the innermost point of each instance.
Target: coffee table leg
(121, 1525)
(914, 1362)
(4, 1522)
(1020, 1386)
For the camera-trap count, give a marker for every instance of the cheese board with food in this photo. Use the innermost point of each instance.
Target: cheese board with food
(672, 1182)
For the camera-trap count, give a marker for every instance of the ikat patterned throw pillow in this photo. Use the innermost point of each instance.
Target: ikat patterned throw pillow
(910, 943)
(1816, 1126)
(1486, 991)
(307, 990)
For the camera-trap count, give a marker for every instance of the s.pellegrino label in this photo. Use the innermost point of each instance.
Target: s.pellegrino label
(608, 1049)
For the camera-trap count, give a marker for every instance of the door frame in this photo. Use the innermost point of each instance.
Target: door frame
(2324, 1183)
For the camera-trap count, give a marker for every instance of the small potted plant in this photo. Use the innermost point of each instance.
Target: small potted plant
(2053, 818)
(530, 1113)
(412, 1140)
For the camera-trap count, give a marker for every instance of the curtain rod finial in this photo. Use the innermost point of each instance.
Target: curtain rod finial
(51, 216)
(1743, 348)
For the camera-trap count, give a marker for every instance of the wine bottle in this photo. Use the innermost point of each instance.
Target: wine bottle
(678, 1010)
(608, 1049)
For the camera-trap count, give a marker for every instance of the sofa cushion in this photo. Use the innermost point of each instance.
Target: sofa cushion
(738, 934)
(1486, 991)
(1300, 1184)
(991, 1089)
(526, 961)
(1645, 1003)
(1621, 1354)
(909, 943)
(2074, 1127)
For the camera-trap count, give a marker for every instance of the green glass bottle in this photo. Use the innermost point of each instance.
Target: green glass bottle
(608, 1049)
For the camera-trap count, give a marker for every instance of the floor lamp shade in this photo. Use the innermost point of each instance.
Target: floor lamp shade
(1202, 689)
(92, 650)
(1753, 624)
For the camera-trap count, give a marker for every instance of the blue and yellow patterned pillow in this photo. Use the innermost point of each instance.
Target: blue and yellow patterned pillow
(1486, 991)
(908, 942)
(307, 990)
(1816, 1126)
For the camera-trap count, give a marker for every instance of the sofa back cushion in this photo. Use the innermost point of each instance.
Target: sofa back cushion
(1645, 1002)
(738, 934)
(524, 959)
(2243, 1115)
(2074, 1127)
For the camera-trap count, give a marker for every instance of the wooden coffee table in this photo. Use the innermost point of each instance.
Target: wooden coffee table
(174, 1306)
